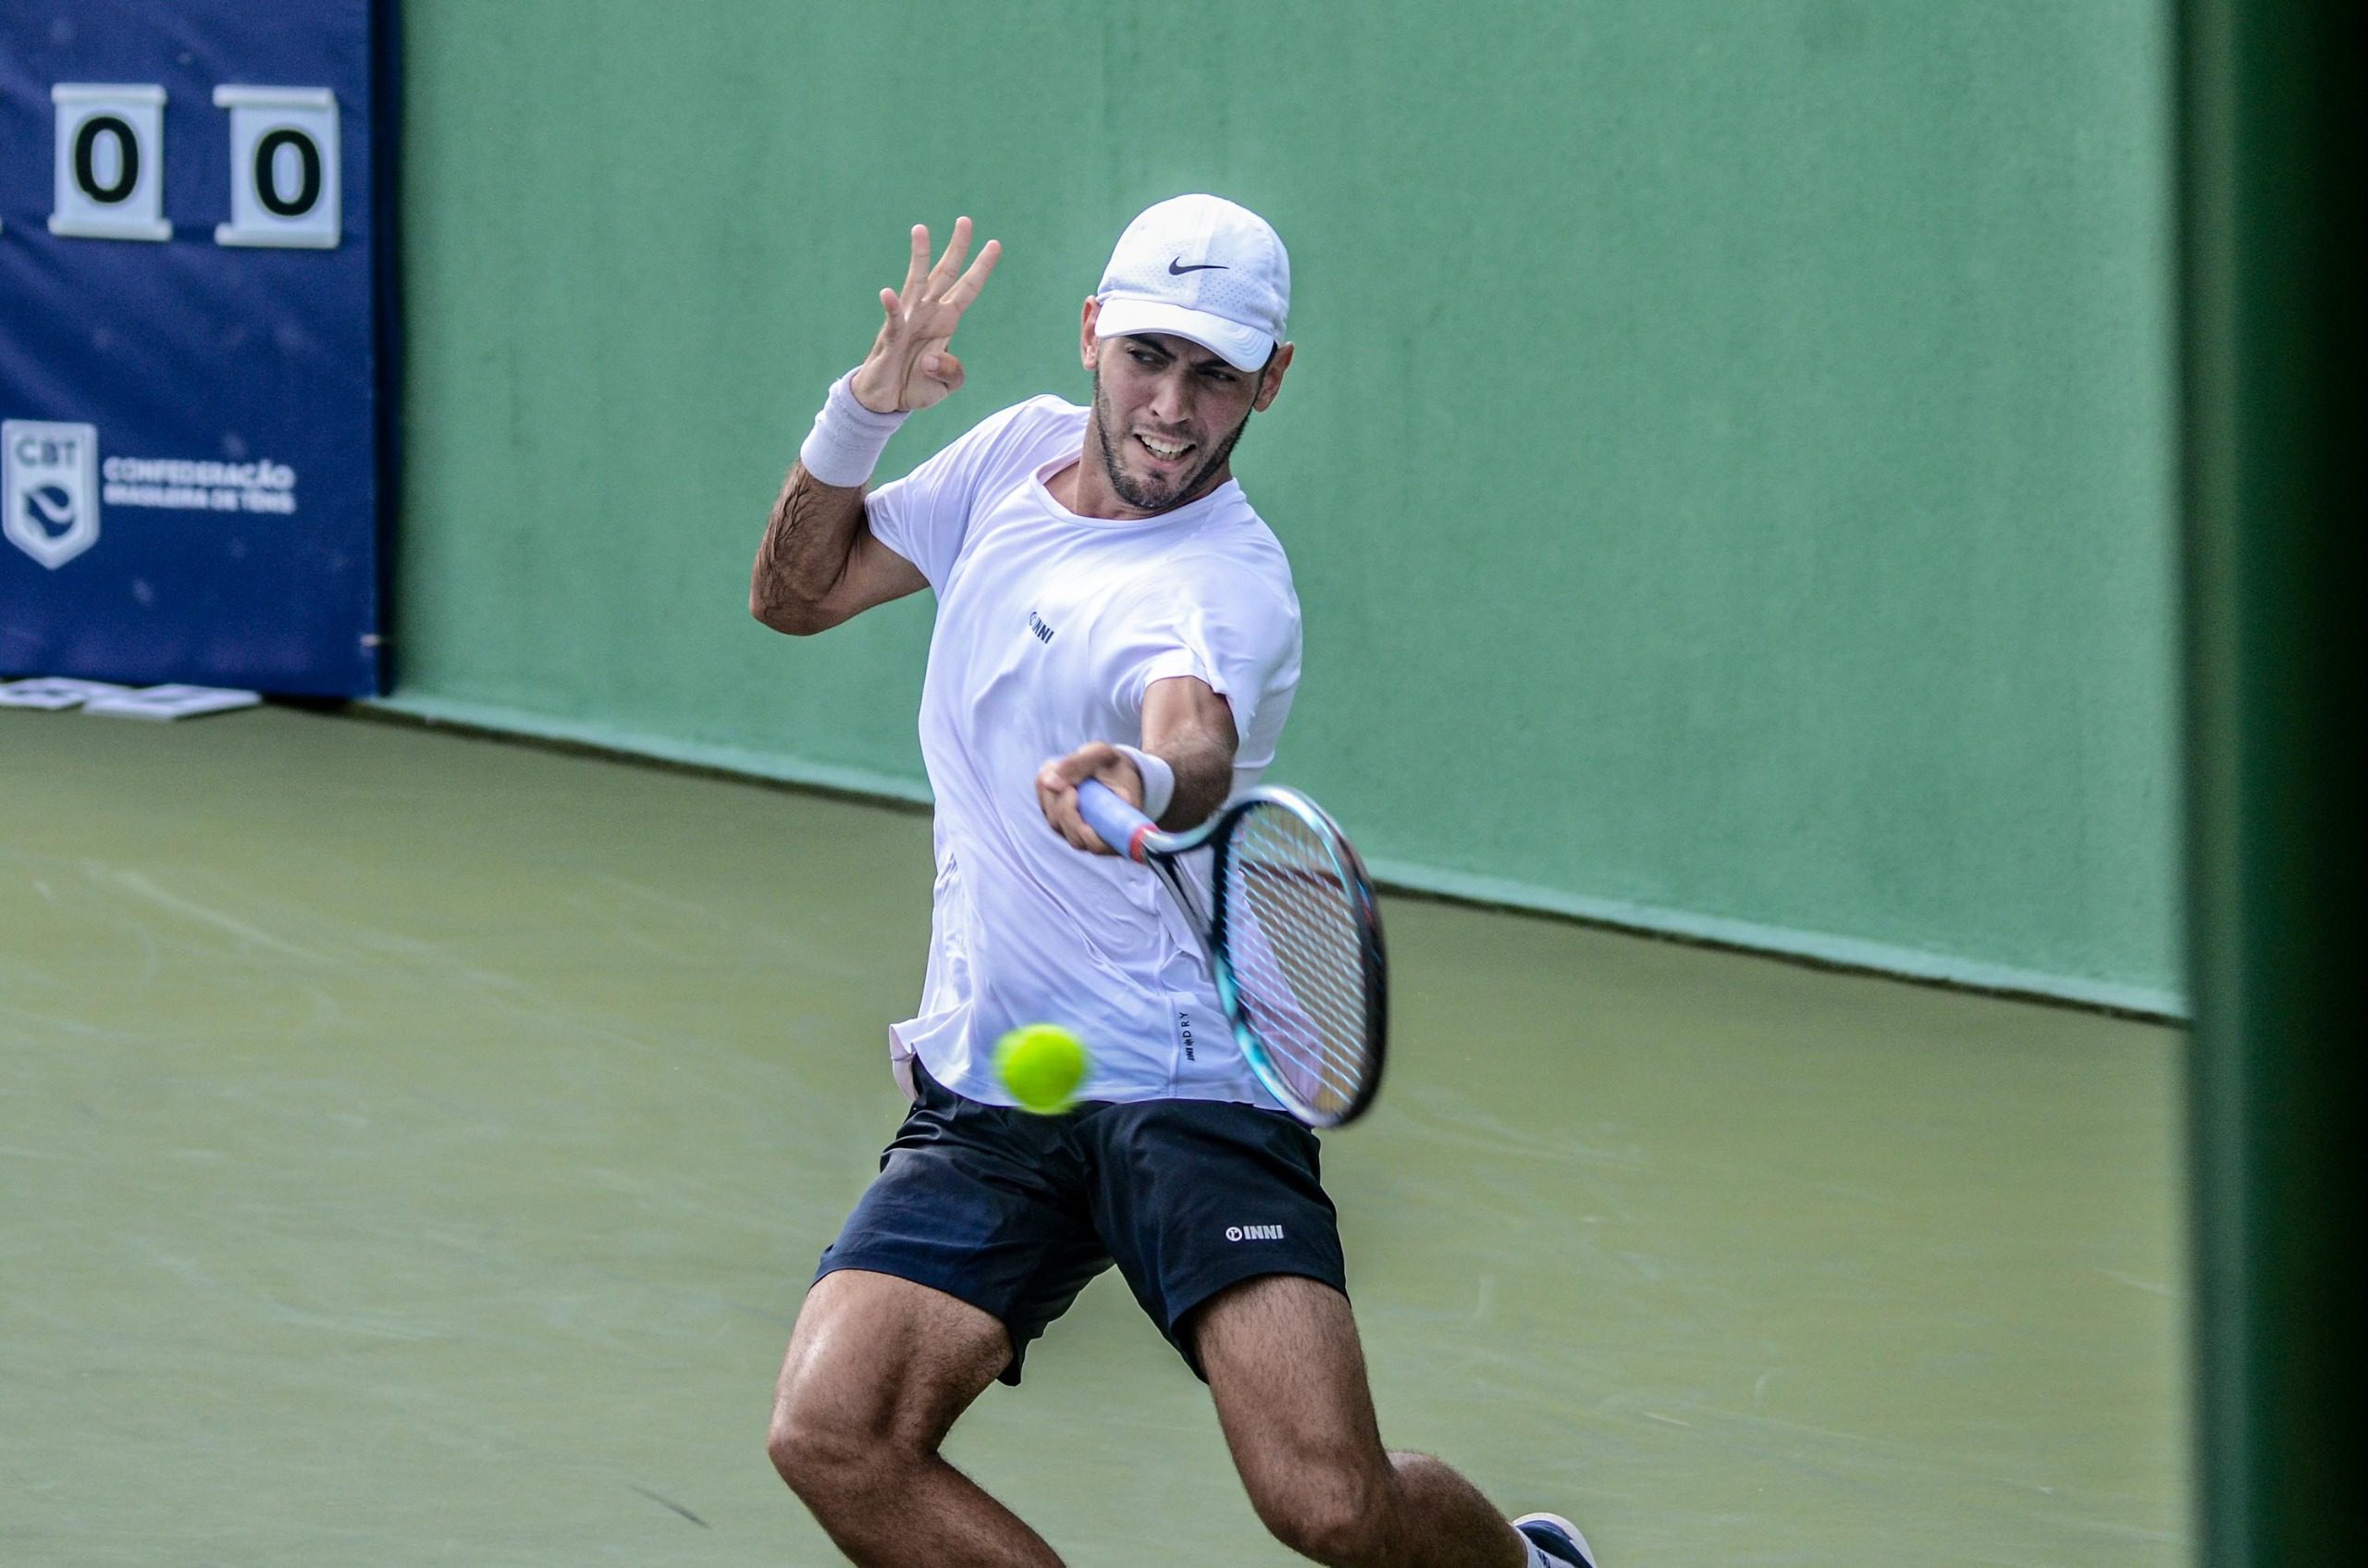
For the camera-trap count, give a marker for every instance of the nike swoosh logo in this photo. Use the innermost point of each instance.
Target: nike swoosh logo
(1175, 267)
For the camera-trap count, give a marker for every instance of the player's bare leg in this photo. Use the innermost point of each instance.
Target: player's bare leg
(1288, 1378)
(877, 1371)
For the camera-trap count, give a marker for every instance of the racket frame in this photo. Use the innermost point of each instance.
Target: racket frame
(1162, 852)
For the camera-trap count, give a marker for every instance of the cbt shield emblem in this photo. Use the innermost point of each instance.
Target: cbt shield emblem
(49, 483)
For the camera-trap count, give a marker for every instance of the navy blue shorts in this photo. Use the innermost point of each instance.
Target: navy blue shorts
(1014, 1213)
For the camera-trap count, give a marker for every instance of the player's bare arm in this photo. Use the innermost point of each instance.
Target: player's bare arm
(819, 565)
(1186, 725)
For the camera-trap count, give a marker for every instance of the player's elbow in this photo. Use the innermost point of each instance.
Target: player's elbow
(791, 617)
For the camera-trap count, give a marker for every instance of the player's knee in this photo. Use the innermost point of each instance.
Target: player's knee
(823, 1460)
(1334, 1517)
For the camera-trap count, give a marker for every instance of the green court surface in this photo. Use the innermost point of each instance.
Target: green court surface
(412, 1149)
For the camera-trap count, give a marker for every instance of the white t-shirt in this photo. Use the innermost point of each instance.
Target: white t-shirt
(1050, 629)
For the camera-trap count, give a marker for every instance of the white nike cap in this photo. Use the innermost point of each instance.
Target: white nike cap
(1201, 267)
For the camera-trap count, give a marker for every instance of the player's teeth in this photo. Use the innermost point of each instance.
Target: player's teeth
(1162, 448)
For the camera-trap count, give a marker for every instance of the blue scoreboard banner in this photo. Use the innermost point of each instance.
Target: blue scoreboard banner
(196, 339)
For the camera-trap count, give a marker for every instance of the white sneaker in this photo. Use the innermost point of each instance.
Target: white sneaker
(1557, 1537)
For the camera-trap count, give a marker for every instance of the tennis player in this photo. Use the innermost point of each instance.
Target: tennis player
(1107, 599)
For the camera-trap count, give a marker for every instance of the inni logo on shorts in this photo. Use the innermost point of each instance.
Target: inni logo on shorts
(1036, 623)
(1253, 1233)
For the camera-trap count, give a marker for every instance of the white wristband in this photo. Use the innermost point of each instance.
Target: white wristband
(1159, 779)
(847, 439)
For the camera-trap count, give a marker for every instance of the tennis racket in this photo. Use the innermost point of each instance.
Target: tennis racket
(1293, 940)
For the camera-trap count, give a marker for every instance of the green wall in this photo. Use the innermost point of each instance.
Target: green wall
(1728, 464)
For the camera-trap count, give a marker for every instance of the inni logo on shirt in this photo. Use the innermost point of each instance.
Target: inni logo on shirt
(1037, 624)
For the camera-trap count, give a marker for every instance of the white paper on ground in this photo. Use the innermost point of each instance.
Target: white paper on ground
(170, 702)
(51, 693)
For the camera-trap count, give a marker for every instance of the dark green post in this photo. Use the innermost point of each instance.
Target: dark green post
(2271, 198)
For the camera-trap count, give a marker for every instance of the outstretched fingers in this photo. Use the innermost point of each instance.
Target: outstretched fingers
(951, 262)
(945, 282)
(966, 286)
(908, 367)
(916, 267)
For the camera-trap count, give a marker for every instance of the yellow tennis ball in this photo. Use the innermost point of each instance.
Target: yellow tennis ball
(1043, 1065)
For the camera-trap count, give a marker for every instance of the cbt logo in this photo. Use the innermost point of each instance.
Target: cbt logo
(49, 483)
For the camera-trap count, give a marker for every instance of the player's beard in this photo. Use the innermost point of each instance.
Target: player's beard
(1131, 490)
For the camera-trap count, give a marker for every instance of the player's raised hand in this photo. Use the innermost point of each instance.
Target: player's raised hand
(909, 365)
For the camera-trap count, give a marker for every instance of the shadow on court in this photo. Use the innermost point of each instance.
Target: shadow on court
(412, 1149)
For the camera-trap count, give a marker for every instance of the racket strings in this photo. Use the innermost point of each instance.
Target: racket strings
(1296, 939)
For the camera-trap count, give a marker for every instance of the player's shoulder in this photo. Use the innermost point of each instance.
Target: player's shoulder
(1006, 445)
(1236, 568)
(1026, 425)
(1048, 411)
(1234, 545)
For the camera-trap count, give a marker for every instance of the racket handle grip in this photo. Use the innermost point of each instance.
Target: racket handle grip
(1121, 826)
